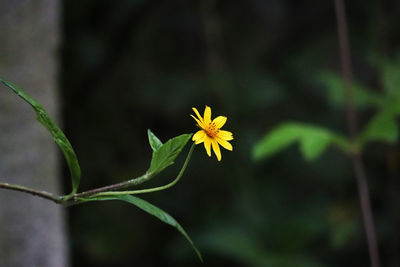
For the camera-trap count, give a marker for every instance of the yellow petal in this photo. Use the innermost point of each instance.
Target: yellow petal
(219, 121)
(207, 145)
(198, 121)
(197, 114)
(225, 135)
(207, 115)
(216, 149)
(199, 137)
(224, 144)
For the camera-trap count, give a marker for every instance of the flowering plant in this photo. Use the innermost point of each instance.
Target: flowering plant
(163, 156)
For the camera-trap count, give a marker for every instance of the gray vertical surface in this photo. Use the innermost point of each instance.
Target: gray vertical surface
(32, 230)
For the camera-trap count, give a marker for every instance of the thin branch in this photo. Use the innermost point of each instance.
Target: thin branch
(39, 193)
(101, 191)
(346, 66)
(136, 181)
(351, 115)
(62, 199)
(365, 201)
(149, 190)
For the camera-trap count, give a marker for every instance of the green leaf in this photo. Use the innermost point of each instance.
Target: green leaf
(362, 96)
(275, 141)
(153, 210)
(55, 132)
(166, 154)
(155, 143)
(343, 233)
(313, 140)
(391, 77)
(383, 126)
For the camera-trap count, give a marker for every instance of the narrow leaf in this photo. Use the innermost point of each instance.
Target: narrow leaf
(166, 154)
(155, 143)
(313, 140)
(153, 210)
(58, 136)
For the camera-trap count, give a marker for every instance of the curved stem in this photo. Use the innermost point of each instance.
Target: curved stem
(149, 190)
(136, 181)
(366, 209)
(39, 193)
(359, 170)
(101, 191)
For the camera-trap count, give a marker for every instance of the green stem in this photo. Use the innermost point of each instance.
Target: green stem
(154, 189)
(136, 181)
(31, 191)
(102, 191)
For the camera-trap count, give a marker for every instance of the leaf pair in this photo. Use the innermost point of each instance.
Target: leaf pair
(165, 154)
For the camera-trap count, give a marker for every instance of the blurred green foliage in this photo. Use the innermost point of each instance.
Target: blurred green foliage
(363, 98)
(313, 140)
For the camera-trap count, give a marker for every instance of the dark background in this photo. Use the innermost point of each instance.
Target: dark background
(129, 66)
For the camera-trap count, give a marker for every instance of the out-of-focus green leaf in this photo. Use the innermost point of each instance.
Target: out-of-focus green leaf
(390, 72)
(383, 126)
(166, 154)
(342, 234)
(313, 140)
(343, 224)
(153, 210)
(362, 96)
(155, 143)
(58, 136)
(275, 141)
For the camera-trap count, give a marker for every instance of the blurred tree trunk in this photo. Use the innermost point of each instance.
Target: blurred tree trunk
(32, 230)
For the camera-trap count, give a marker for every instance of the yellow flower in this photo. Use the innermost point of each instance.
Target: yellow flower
(211, 133)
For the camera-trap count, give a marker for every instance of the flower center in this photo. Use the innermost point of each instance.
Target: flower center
(211, 129)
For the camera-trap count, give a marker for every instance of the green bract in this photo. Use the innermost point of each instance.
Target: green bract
(155, 143)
